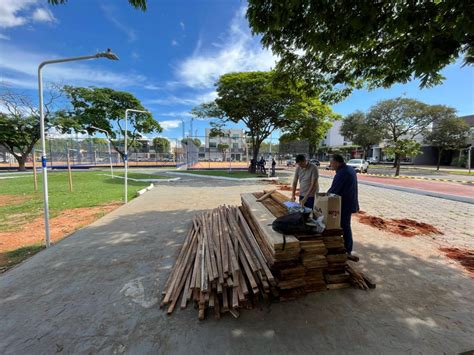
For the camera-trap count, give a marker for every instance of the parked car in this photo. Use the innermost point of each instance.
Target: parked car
(315, 162)
(290, 162)
(373, 160)
(360, 165)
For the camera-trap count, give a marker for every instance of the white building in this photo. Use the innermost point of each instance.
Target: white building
(334, 137)
(232, 145)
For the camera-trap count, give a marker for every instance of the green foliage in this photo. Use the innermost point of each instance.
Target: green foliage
(161, 145)
(259, 101)
(400, 120)
(196, 141)
(222, 147)
(403, 148)
(138, 4)
(309, 120)
(348, 41)
(448, 133)
(358, 131)
(105, 108)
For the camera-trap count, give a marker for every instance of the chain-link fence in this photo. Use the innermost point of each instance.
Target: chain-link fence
(232, 150)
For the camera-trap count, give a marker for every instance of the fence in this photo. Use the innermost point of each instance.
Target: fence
(203, 152)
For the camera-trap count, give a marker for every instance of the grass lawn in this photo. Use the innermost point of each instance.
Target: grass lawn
(90, 189)
(20, 204)
(239, 174)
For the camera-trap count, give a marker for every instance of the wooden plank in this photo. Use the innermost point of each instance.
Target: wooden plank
(265, 195)
(263, 219)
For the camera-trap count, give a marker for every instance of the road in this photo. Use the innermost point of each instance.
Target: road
(448, 190)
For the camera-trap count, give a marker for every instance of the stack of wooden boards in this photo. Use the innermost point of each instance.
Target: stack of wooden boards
(220, 265)
(301, 264)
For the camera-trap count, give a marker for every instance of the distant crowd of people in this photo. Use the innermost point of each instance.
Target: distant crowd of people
(261, 166)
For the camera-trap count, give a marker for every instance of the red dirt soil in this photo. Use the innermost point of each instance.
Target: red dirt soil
(463, 256)
(402, 227)
(11, 200)
(67, 222)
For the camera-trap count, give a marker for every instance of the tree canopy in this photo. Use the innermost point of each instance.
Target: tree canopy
(161, 145)
(20, 124)
(138, 4)
(448, 133)
(104, 108)
(400, 121)
(356, 128)
(255, 99)
(381, 42)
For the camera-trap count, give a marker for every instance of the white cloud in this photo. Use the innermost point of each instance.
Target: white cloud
(43, 15)
(14, 13)
(110, 14)
(167, 125)
(181, 24)
(4, 37)
(174, 43)
(237, 50)
(174, 114)
(18, 68)
(175, 100)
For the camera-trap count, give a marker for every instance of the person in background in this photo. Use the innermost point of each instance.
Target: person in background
(344, 184)
(307, 174)
(274, 163)
(262, 163)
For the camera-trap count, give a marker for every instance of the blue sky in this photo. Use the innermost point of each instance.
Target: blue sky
(170, 56)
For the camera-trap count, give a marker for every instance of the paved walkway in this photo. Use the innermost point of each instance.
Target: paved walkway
(98, 292)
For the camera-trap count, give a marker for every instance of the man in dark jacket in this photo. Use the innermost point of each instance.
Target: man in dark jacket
(344, 184)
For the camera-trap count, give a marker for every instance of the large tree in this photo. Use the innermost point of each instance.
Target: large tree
(310, 121)
(356, 129)
(138, 4)
(401, 121)
(161, 145)
(104, 108)
(255, 99)
(449, 133)
(20, 124)
(381, 42)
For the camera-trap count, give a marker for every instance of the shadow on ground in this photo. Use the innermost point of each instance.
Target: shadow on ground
(99, 291)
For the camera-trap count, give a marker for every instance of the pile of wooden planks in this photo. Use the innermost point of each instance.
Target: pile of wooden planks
(302, 264)
(220, 265)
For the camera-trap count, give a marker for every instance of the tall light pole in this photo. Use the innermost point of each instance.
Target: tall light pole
(109, 55)
(126, 150)
(108, 143)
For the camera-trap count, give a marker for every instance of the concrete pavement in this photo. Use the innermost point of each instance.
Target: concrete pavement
(98, 292)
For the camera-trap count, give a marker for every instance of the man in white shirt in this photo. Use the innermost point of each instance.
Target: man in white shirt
(307, 175)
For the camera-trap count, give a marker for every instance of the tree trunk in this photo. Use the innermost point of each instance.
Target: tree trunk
(21, 162)
(397, 164)
(440, 151)
(253, 163)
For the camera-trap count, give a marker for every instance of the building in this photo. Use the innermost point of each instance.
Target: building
(232, 145)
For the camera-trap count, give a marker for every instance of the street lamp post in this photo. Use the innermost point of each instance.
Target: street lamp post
(108, 143)
(126, 150)
(109, 55)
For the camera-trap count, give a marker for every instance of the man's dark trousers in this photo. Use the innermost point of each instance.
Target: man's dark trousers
(346, 227)
(309, 202)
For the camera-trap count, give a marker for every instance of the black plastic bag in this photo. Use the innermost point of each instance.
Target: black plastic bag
(294, 224)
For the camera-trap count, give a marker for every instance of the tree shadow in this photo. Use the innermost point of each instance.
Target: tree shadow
(99, 291)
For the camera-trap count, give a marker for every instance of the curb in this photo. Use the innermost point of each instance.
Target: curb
(224, 177)
(144, 180)
(142, 191)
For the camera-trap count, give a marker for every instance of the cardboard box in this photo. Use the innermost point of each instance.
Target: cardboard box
(330, 207)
